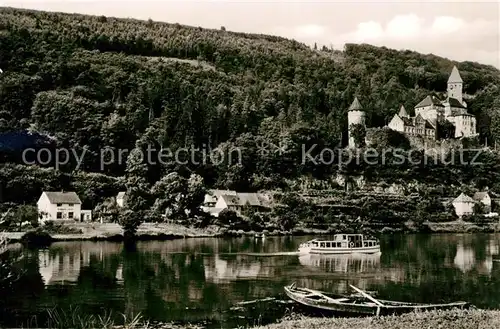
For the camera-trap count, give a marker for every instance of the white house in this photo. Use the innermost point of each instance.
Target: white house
(464, 205)
(257, 201)
(213, 195)
(120, 199)
(59, 206)
(485, 199)
(86, 215)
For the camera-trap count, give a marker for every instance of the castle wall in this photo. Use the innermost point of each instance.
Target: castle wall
(465, 126)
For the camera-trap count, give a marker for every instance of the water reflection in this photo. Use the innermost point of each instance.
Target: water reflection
(468, 257)
(196, 279)
(355, 263)
(61, 264)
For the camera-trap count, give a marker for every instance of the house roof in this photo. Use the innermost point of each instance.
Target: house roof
(402, 112)
(428, 101)
(480, 195)
(463, 198)
(248, 199)
(455, 76)
(63, 197)
(218, 193)
(120, 195)
(355, 106)
(213, 195)
(454, 102)
(231, 200)
(429, 125)
(407, 121)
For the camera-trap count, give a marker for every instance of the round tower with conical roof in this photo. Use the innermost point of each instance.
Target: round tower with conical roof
(355, 115)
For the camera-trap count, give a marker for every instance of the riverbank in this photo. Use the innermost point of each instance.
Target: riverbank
(459, 226)
(456, 319)
(154, 231)
(171, 231)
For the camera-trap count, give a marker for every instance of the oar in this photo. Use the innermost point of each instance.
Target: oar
(366, 295)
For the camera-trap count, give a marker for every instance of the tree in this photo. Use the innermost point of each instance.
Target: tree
(137, 195)
(108, 211)
(177, 196)
(445, 130)
(358, 133)
(479, 208)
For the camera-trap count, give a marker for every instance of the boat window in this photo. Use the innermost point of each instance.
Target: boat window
(366, 244)
(322, 244)
(339, 244)
(343, 237)
(328, 244)
(369, 244)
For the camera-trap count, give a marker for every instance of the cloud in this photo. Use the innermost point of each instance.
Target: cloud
(447, 36)
(311, 30)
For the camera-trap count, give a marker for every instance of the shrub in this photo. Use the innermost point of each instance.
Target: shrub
(53, 228)
(36, 238)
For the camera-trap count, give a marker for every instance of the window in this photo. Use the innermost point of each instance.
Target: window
(59, 215)
(59, 204)
(343, 237)
(322, 245)
(70, 215)
(328, 244)
(70, 205)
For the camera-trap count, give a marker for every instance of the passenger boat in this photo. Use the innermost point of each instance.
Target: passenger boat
(361, 304)
(341, 244)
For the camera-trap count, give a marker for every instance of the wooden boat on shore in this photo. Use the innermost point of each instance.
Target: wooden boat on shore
(341, 244)
(361, 304)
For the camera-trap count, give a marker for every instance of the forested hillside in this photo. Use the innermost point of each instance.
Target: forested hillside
(93, 82)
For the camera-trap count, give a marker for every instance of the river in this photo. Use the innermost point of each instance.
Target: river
(205, 279)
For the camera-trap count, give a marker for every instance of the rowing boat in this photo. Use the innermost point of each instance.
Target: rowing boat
(361, 304)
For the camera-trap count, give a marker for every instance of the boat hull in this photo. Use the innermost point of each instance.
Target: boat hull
(336, 307)
(339, 251)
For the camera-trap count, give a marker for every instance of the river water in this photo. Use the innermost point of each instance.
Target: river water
(211, 280)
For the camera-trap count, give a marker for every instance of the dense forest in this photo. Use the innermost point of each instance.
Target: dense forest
(89, 83)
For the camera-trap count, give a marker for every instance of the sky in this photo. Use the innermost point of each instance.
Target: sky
(458, 30)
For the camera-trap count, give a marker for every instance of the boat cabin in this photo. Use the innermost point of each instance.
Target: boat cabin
(345, 241)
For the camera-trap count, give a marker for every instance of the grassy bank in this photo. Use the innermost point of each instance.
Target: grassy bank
(111, 231)
(451, 319)
(151, 231)
(169, 231)
(456, 319)
(462, 227)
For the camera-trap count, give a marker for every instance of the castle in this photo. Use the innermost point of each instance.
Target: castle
(428, 113)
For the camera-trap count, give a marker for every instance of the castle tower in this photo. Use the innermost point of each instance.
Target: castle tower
(402, 112)
(455, 85)
(355, 115)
